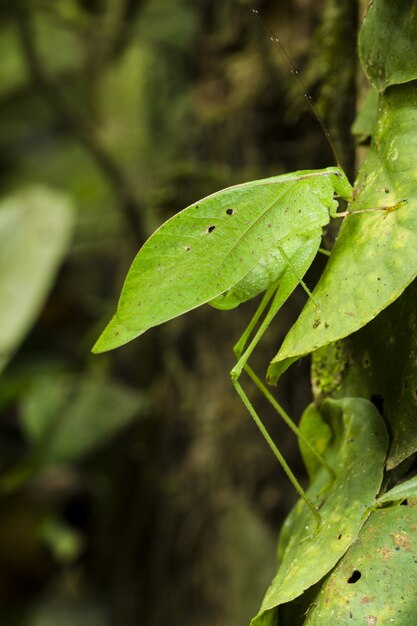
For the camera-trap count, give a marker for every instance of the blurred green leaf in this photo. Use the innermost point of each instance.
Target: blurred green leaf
(168, 22)
(64, 541)
(12, 70)
(123, 101)
(35, 230)
(58, 40)
(68, 419)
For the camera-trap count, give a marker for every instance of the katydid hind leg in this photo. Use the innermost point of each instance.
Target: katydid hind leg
(287, 284)
(244, 338)
(287, 419)
(279, 456)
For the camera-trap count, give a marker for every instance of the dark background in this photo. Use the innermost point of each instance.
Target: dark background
(135, 109)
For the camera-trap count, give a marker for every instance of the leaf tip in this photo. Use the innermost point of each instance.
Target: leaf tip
(113, 336)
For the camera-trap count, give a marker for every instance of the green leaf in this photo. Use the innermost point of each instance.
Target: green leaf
(357, 453)
(375, 256)
(407, 489)
(35, 230)
(375, 582)
(364, 366)
(387, 43)
(365, 121)
(67, 420)
(205, 250)
(318, 433)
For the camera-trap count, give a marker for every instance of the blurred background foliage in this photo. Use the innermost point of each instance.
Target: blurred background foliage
(134, 489)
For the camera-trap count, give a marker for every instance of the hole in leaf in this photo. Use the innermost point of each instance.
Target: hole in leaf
(229, 211)
(355, 577)
(339, 536)
(187, 248)
(210, 229)
(404, 502)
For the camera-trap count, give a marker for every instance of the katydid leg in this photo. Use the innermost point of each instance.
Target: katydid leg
(389, 208)
(300, 281)
(276, 452)
(243, 340)
(286, 418)
(287, 284)
(238, 349)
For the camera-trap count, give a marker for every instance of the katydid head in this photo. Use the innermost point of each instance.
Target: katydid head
(341, 184)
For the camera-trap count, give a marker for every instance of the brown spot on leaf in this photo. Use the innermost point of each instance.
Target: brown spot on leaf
(386, 553)
(402, 540)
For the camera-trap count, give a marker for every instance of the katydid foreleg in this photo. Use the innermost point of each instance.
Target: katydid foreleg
(244, 338)
(295, 268)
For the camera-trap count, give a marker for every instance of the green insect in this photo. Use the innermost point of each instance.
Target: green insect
(253, 238)
(225, 249)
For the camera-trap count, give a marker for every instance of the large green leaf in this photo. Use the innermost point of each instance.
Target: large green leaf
(375, 256)
(375, 582)
(357, 452)
(35, 229)
(203, 251)
(379, 361)
(387, 42)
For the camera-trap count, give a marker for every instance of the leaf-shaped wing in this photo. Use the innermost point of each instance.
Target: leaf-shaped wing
(206, 249)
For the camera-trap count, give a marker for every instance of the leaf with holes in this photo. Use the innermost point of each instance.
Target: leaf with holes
(224, 249)
(357, 452)
(375, 582)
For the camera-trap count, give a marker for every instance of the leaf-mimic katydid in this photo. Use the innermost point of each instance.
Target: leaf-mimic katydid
(260, 236)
